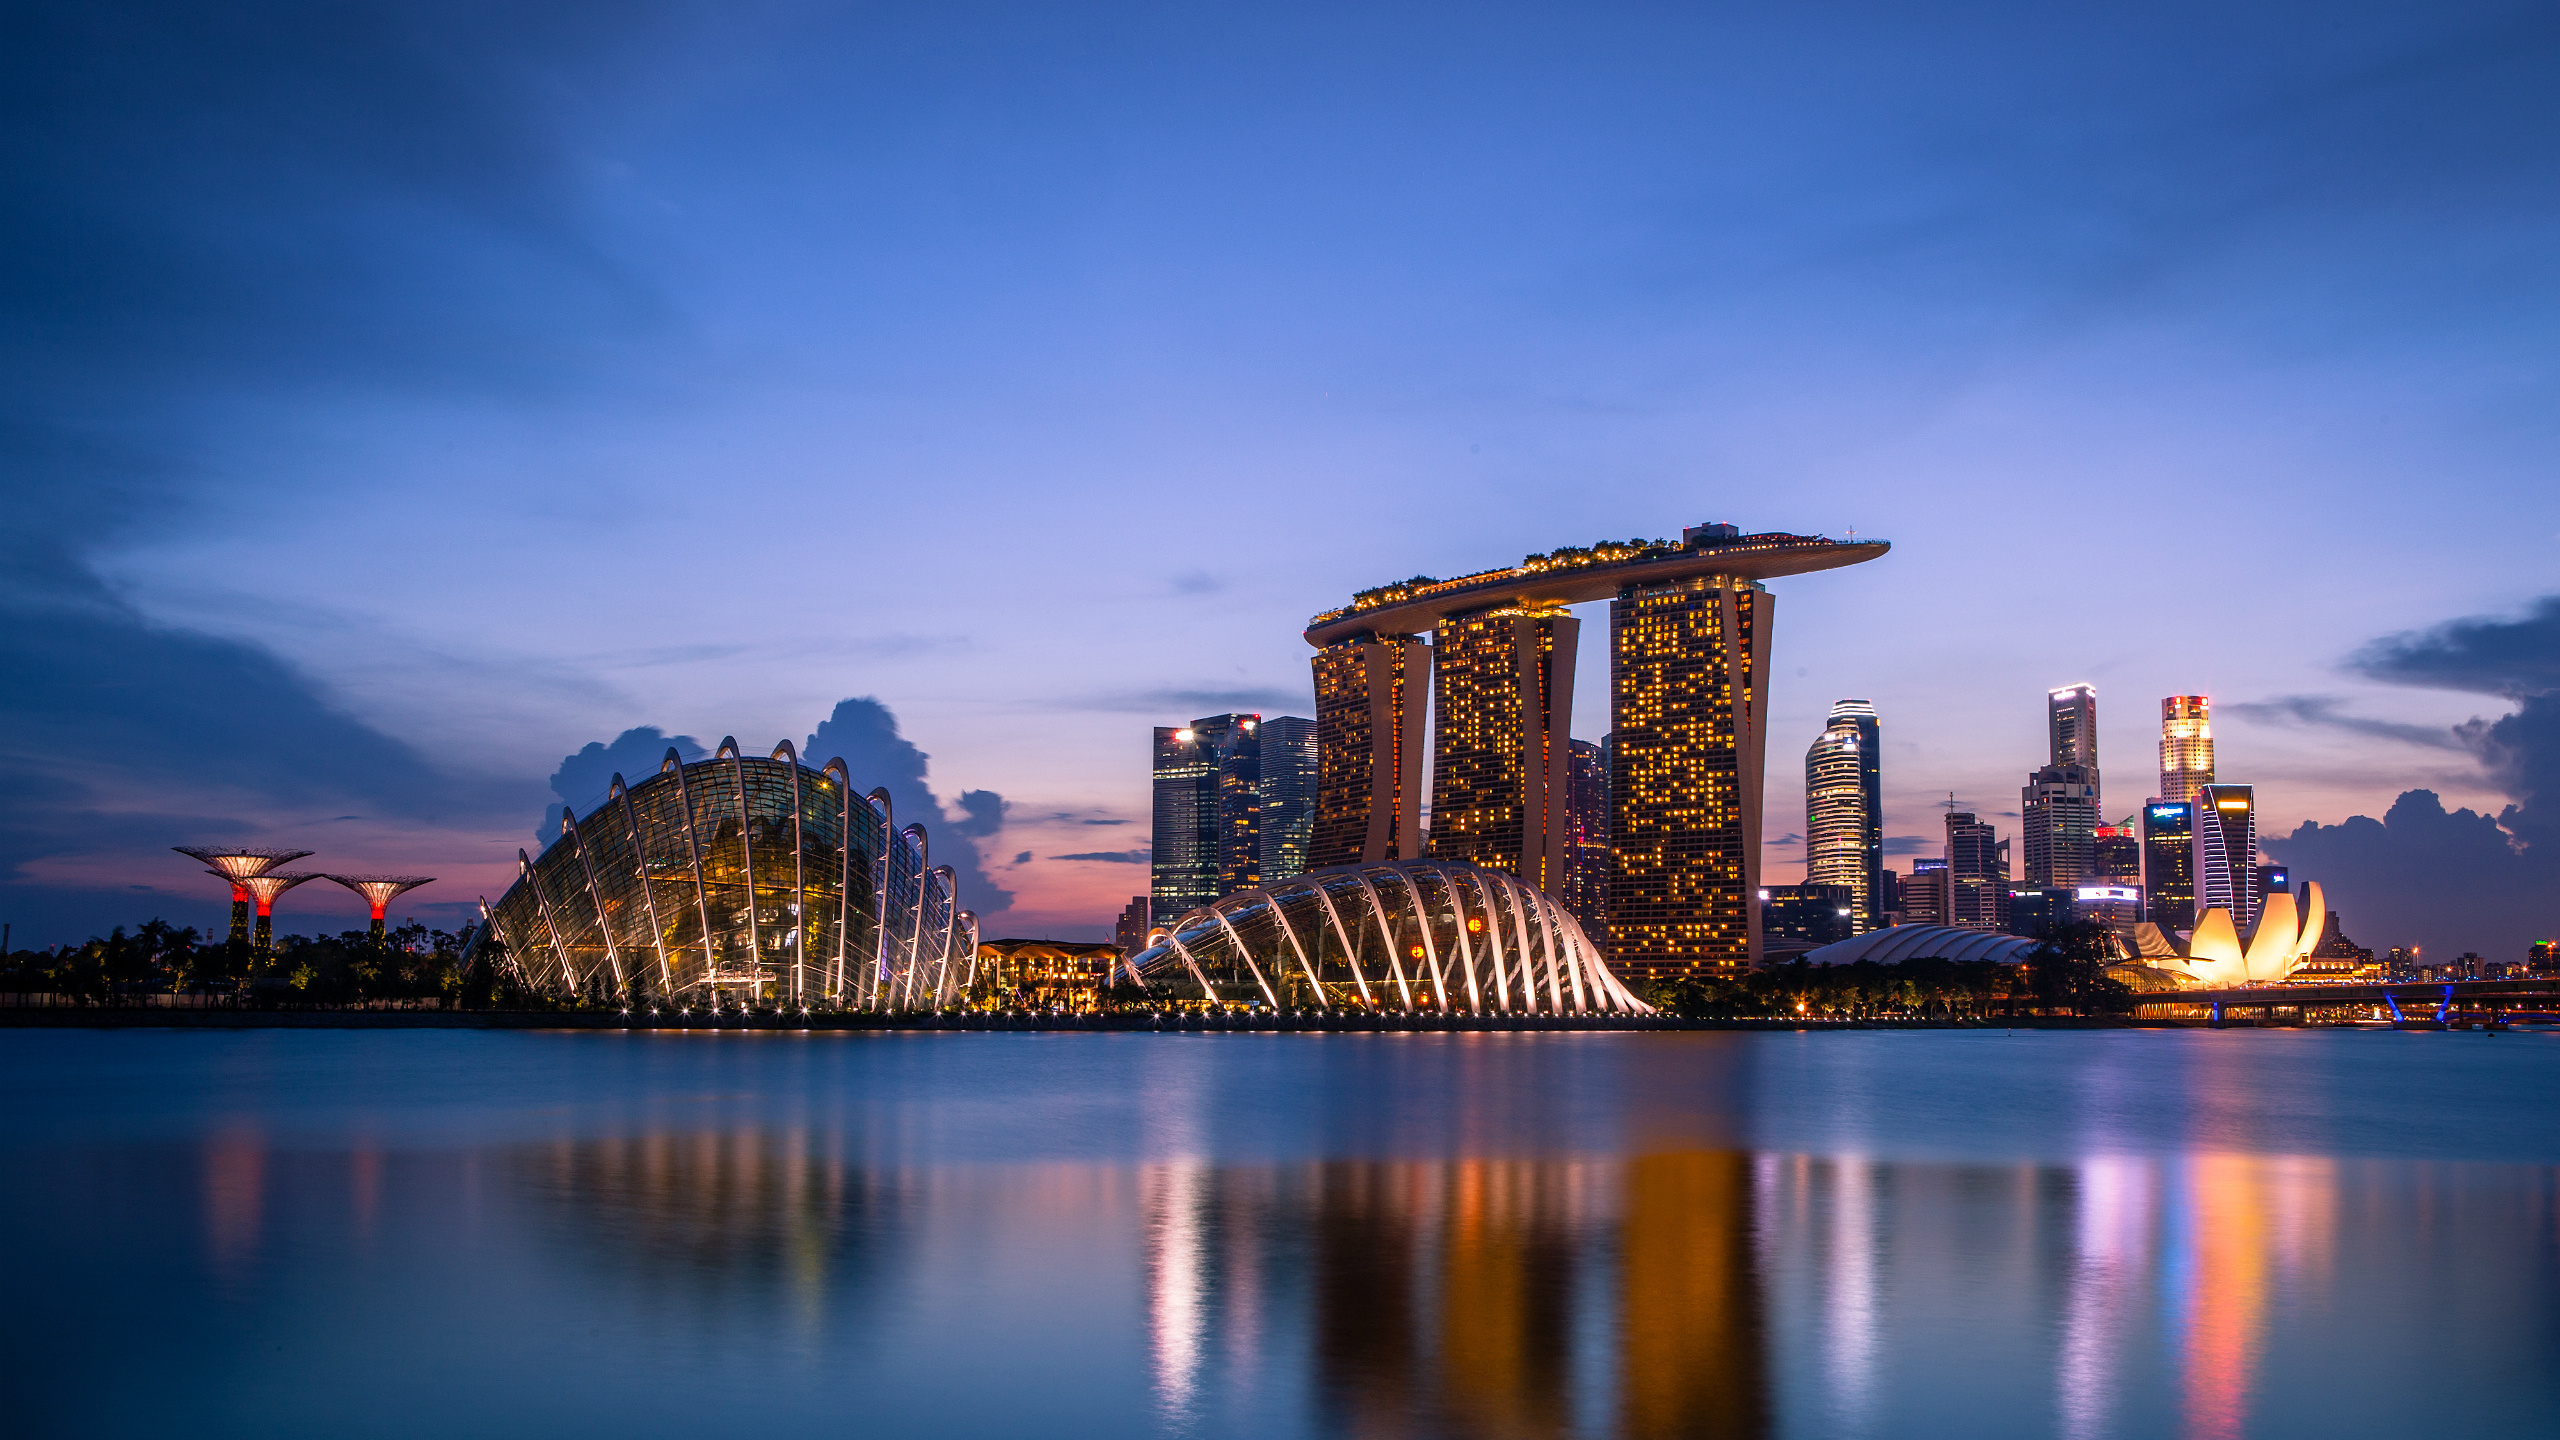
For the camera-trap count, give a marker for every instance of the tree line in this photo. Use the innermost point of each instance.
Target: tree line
(409, 963)
(2065, 975)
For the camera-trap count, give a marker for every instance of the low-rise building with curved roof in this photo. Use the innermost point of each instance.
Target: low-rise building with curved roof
(1897, 943)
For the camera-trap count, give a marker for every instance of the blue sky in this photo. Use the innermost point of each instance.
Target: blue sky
(400, 401)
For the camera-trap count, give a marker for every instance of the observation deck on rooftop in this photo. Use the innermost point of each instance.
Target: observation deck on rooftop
(1573, 576)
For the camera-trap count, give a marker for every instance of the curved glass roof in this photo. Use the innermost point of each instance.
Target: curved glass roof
(1416, 935)
(1896, 943)
(760, 881)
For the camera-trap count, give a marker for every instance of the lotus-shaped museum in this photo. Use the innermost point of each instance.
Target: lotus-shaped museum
(1415, 935)
(2215, 957)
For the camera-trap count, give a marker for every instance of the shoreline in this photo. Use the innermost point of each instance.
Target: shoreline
(113, 1018)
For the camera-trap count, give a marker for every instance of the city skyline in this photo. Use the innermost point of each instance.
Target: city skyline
(330, 509)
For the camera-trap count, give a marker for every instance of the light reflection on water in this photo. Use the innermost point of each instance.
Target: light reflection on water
(1537, 1236)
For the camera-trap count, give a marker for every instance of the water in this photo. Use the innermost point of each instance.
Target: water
(2258, 1233)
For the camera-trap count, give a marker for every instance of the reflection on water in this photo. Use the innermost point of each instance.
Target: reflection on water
(691, 1267)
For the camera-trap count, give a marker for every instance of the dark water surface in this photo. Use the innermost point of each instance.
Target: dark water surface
(2257, 1233)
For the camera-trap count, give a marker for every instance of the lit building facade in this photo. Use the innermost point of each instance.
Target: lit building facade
(739, 880)
(2186, 746)
(1797, 918)
(1501, 781)
(1129, 932)
(2226, 851)
(1689, 699)
(2115, 854)
(1287, 815)
(1924, 893)
(2169, 863)
(1688, 667)
(2071, 725)
(1844, 809)
(1208, 781)
(2059, 806)
(1587, 859)
(1977, 874)
(1372, 702)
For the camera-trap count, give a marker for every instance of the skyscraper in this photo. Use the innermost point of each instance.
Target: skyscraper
(1287, 819)
(1844, 809)
(1500, 773)
(1130, 931)
(2186, 745)
(1689, 697)
(1586, 874)
(1924, 894)
(1208, 779)
(2169, 863)
(2226, 846)
(2058, 807)
(1977, 874)
(1372, 696)
(2115, 856)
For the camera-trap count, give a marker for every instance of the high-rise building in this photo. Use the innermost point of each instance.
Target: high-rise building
(1208, 779)
(2274, 880)
(2115, 854)
(1804, 917)
(1977, 874)
(1500, 769)
(1844, 809)
(2037, 911)
(2226, 848)
(1287, 819)
(2186, 746)
(2168, 863)
(2058, 808)
(2118, 907)
(1130, 932)
(1372, 697)
(2071, 725)
(1586, 872)
(1688, 704)
(1688, 667)
(1924, 893)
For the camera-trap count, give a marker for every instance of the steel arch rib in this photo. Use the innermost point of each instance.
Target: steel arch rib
(640, 869)
(1448, 879)
(915, 924)
(1247, 954)
(1430, 951)
(1528, 952)
(595, 897)
(1173, 938)
(693, 848)
(1281, 915)
(1547, 915)
(542, 904)
(1386, 933)
(799, 875)
(844, 871)
(950, 882)
(1493, 937)
(746, 860)
(878, 983)
(1350, 952)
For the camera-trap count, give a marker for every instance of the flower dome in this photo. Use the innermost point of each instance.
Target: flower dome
(1896, 943)
(1413, 935)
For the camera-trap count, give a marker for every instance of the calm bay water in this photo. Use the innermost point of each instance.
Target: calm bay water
(448, 1233)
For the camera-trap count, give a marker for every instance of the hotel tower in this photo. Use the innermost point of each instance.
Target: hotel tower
(1844, 809)
(1689, 696)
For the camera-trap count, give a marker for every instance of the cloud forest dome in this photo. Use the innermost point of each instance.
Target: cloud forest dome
(1416, 935)
(753, 881)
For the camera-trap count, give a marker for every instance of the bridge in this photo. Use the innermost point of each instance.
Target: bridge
(2414, 1003)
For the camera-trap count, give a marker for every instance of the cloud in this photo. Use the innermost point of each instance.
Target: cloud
(1114, 857)
(865, 734)
(1196, 582)
(2321, 711)
(2479, 654)
(1023, 858)
(1910, 845)
(584, 778)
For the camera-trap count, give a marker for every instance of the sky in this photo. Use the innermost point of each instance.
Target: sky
(410, 410)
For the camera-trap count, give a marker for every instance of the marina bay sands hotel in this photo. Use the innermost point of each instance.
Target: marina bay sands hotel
(1689, 630)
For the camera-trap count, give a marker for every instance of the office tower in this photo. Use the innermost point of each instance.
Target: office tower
(1689, 695)
(2168, 863)
(2058, 807)
(1287, 817)
(2273, 880)
(1803, 917)
(1372, 697)
(1586, 873)
(2115, 854)
(1924, 894)
(2226, 847)
(1502, 682)
(1844, 809)
(2071, 725)
(1129, 932)
(1892, 890)
(2036, 911)
(1207, 781)
(1977, 874)
(2186, 746)
(2118, 907)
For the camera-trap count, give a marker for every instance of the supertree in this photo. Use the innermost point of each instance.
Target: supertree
(240, 864)
(379, 890)
(266, 888)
